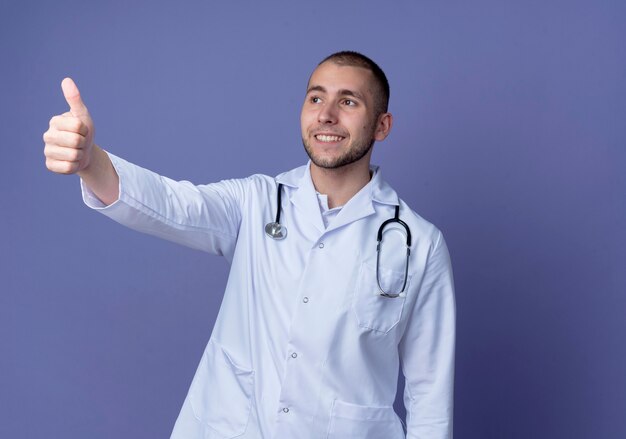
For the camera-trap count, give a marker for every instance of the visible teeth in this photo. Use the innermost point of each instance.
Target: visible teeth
(324, 138)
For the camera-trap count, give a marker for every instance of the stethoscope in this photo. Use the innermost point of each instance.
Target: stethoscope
(277, 231)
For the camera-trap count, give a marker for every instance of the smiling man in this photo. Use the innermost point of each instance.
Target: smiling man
(312, 350)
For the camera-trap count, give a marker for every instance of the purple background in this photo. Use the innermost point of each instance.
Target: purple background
(509, 134)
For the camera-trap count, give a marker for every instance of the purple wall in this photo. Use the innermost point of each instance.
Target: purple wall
(509, 135)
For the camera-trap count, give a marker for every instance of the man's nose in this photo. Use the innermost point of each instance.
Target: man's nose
(327, 114)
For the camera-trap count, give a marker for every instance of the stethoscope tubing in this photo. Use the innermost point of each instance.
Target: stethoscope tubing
(379, 238)
(277, 231)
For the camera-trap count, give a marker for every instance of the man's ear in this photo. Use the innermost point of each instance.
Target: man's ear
(383, 126)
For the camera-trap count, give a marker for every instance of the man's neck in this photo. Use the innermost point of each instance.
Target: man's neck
(340, 184)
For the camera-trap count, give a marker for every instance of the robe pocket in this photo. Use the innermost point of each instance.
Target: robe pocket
(221, 393)
(372, 310)
(351, 421)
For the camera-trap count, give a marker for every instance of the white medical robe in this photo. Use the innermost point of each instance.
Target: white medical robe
(304, 347)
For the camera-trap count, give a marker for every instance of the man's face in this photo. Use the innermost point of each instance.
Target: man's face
(337, 120)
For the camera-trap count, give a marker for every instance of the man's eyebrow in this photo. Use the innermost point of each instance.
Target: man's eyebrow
(342, 92)
(316, 88)
(353, 93)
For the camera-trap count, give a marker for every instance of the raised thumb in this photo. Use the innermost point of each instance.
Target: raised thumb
(72, 96)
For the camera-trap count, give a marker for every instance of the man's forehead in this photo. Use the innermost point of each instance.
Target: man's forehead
(332, 76)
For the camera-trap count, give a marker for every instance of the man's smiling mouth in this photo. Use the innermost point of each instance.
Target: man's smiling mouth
(328, 138)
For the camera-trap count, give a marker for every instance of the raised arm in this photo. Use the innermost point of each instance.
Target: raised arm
(205, 217)
(70, 148)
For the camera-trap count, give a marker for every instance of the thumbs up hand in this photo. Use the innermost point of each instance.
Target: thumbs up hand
(69, 140)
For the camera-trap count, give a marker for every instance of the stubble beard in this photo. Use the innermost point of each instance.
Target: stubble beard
(353, 154)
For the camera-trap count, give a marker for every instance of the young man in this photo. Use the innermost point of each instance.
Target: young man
(314, 321)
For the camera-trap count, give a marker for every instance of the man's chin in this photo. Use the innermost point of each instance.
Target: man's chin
(326, 162)
(327, 165)
(338, 160)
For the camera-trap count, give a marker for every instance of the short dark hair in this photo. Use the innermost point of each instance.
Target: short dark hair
(356, 59)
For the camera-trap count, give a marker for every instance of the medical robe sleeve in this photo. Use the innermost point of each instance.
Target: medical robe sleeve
(204, 217)
(427, 351)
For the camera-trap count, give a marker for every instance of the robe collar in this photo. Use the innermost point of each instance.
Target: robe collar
(361, 205)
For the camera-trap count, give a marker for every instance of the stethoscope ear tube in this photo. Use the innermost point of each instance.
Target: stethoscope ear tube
(395, 219)
(379, 238)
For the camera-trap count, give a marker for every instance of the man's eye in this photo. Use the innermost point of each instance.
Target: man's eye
(349, 102)
(315, 100)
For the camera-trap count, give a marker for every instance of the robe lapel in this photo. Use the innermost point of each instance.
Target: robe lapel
(305, 201)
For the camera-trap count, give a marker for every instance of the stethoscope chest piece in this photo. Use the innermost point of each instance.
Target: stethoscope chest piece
(275, 230)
